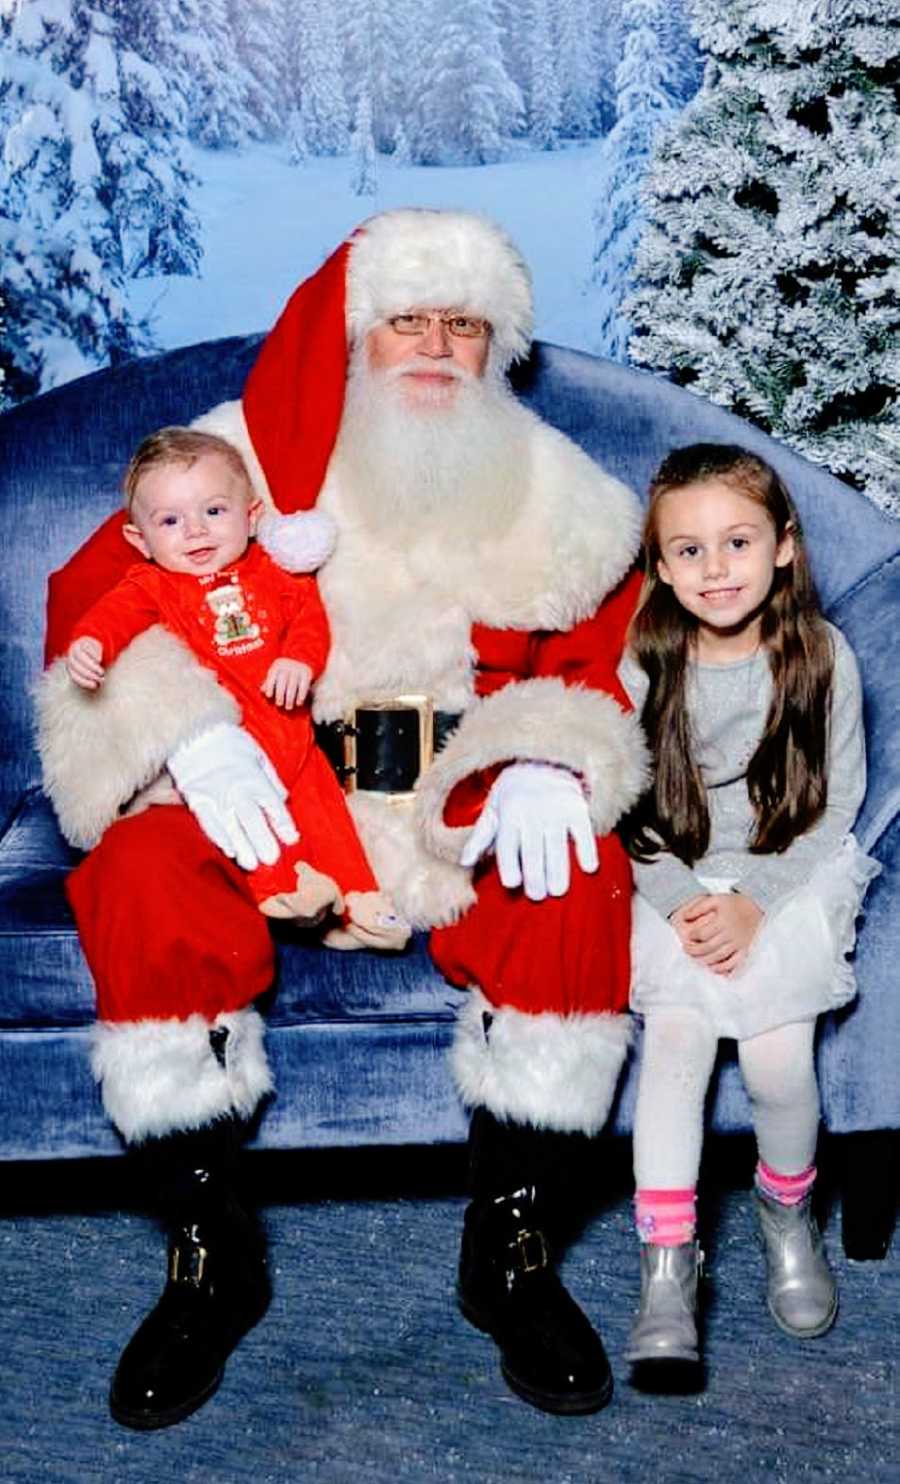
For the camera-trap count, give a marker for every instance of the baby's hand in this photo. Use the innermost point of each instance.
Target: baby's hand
(717, 930)
(83, 662)
(287, 683)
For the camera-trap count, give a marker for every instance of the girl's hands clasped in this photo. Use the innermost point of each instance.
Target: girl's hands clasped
(718, 929)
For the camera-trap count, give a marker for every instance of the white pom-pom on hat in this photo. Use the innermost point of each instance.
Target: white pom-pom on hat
(298, 543)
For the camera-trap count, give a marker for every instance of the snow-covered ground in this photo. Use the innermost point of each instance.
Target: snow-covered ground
(267, 224)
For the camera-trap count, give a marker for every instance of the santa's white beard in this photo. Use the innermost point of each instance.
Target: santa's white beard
(432, 461)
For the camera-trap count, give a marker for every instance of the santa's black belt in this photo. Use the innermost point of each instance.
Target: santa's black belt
(385, 747)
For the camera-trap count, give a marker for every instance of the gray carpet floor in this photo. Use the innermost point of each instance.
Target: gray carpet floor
(363, 1369)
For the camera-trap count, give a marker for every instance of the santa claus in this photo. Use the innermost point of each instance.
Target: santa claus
(478, 596)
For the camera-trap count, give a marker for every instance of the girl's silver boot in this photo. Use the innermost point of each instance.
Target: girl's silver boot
(802, 1293)
(665, 1327)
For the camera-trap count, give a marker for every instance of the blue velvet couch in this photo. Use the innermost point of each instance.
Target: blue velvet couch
(358, 1042)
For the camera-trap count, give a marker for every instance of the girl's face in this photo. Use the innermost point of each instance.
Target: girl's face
(718, 553)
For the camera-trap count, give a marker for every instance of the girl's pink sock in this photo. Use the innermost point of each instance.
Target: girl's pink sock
(787, 1190)
(666, 1218)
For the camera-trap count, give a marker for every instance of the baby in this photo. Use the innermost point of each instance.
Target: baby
(192, 515)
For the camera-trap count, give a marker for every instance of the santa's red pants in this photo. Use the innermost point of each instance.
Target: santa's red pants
(168, 924)
(566, 955)
(170, 928)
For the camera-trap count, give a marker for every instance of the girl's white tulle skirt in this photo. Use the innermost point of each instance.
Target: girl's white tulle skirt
(797, 965)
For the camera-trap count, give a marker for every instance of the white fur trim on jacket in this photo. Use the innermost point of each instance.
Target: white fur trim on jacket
(429, 892)
(541, 720)
(100, 748)
(575, 537)
(162, 1076)
(227, 421)
(553, 1071)
(416, 258)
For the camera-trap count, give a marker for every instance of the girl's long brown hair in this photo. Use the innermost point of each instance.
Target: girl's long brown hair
(786, 777)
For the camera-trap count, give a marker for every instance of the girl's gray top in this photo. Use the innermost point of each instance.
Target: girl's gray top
(728, 706)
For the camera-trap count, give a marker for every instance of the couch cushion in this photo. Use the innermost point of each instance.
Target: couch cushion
(46, 981)
(316, 983)
(42, 970)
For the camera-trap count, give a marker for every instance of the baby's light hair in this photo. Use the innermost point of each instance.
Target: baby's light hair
(176, 445)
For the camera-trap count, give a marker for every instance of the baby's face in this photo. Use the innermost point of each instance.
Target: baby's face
(193, 517)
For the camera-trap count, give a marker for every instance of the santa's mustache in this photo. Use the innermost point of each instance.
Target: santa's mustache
(422, 365)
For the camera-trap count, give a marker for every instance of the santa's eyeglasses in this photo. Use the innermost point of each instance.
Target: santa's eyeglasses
(463, 326)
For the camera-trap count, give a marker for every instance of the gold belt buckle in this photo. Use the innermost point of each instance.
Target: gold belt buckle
(423, 704)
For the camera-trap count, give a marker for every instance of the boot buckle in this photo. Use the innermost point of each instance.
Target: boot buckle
(531, 1249)
(188, 1266)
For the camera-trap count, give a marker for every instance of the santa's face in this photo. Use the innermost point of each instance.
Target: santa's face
(435, 463)
(431, 358)
(193, 517)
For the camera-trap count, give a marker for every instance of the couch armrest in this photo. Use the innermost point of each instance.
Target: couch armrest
(860, 1046)
(867, 616)
(859, 1049)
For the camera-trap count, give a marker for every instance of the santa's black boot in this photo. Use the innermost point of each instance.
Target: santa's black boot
(508, 1286)
(217, 1286)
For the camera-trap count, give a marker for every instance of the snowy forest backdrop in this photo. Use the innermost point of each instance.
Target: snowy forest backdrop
(707, 188)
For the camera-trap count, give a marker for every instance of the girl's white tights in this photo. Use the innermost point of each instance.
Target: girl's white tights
(678, 1057)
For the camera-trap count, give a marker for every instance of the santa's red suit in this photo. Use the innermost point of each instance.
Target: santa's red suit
(518, 633)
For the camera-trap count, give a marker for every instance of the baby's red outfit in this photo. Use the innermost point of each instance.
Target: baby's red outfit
(238, 621)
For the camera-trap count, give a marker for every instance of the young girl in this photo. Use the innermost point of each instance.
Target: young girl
(748, 879)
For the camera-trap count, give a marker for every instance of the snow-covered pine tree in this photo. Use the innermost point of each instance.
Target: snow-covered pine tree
(544, 97)
(298, 149)
(608, 43)
(681, 48)
(256, 61)
(645, 87)
(93, 190)
(362, 148)
(291, 19)
(576, 68)
(401, 152)
(768, 273)
(315, 83)
(469, 104)
(190, 42)
(418, 23)
(515, 52)
(379, 42)
(4, 400)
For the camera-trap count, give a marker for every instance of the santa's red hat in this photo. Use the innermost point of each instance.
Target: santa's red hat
(396, 261)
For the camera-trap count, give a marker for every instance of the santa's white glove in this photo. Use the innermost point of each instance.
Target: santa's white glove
(298, 543)
(227, 781)
(531, 813)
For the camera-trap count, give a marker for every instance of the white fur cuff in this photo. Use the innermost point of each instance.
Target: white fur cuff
(162, 1076)
(540, 720)
(100, 748)
(552, 1071)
